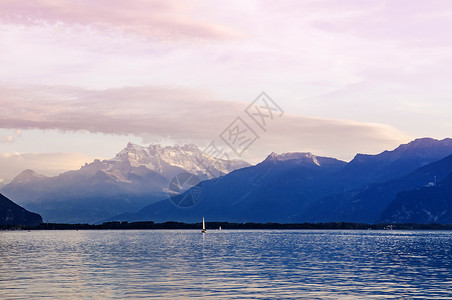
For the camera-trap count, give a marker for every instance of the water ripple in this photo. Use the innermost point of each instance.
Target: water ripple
(225, 264)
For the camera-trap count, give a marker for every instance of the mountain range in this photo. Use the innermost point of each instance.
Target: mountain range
(301, 187)
(135, 177)
(368, 203)
(411, 183)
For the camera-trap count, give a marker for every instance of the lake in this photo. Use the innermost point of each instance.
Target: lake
(237, 264)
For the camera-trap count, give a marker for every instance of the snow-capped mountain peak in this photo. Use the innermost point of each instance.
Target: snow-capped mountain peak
(306, 159)
(172, 160)
(304, 156)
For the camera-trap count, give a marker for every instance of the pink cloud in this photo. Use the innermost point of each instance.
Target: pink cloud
(182, 115)
(153, 19)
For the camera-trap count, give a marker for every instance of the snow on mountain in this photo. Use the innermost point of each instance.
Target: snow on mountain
(167, 161)
(135, 177)
(306, 158)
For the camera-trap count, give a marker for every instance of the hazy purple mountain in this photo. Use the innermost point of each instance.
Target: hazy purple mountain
(13, 214)
(135, 177)
(3, 183)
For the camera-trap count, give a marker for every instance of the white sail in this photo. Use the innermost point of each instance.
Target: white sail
(203, 226)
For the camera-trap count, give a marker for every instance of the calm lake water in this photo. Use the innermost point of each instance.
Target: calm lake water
(225, 264)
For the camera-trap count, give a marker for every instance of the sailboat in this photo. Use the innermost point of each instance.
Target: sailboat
(203, 226)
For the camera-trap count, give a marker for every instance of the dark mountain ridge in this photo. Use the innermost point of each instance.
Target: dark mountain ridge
(388, 165)
(369, 203)
(423, 205)
(13, 214)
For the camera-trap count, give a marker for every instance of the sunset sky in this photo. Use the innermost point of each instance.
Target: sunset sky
(79, 79)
